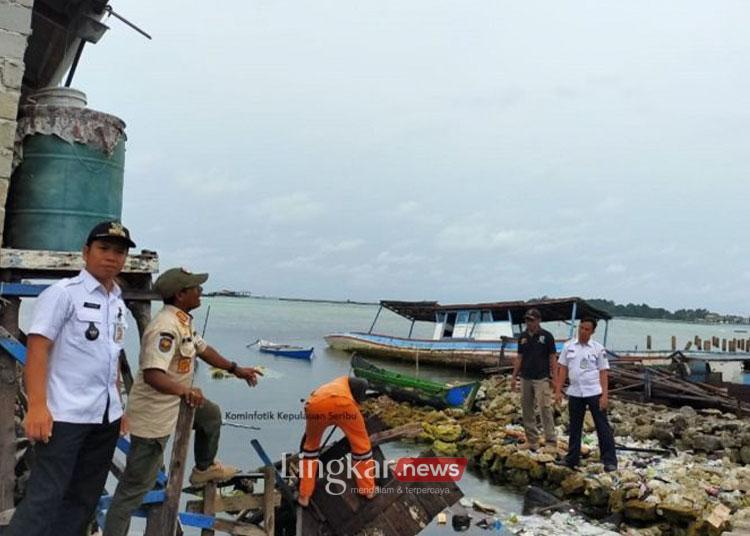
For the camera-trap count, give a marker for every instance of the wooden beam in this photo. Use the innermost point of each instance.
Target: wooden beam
(5, 517)
(269, 500)
(378, 438)
(235, 527)
(234, 503)
(162, 519)
(209, 506)
(70, 261)
(8, 394)
(394, 434)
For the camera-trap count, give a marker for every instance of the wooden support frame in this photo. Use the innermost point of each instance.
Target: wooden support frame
(235, 503)
(39, 261)
(8, 395)
(162, 519)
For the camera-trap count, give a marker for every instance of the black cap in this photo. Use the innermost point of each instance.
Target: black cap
(358, 387)
(110, 230)
(533, 313)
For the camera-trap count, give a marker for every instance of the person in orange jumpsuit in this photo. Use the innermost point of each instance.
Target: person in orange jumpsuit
(336, 404)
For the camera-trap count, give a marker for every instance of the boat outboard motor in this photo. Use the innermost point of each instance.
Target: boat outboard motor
(358, 387)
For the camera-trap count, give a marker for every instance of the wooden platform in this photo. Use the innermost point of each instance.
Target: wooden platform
(55, 263)
(398, 509)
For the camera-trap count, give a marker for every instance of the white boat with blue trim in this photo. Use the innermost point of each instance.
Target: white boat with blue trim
(469, 336)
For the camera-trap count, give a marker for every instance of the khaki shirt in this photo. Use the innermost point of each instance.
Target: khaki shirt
(169, 344)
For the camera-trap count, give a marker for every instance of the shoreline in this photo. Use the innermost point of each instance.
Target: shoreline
(357, 302)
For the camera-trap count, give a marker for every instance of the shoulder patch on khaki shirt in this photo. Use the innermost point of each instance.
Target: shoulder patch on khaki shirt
(183, 317)
(166, 340)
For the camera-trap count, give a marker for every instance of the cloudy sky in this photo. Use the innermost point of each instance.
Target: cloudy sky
(435, 149)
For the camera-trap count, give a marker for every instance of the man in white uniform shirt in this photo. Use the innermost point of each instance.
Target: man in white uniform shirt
(75, 412)
(585, 362)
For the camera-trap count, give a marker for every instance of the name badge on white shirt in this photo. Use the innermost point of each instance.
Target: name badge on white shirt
(119, 334)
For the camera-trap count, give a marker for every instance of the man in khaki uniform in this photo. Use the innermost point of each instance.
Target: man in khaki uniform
(167, 361)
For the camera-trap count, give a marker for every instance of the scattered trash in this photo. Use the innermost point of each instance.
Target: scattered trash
(483, 508)
(461, 522)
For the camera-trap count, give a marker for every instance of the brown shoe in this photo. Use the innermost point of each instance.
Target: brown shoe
(216, 471)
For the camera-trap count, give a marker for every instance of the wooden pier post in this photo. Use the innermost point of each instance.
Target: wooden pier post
(162, 519)
(8, 395)
(697, 342)
(707, 346)
(674, 343)
(733, 345)
(648, 342)
(723, 345)
(209, 504)
(269, 509)
(141, 311)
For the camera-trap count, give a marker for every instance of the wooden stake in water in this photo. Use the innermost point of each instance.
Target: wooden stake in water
(674, 343)
(648, 342)
(205, 322)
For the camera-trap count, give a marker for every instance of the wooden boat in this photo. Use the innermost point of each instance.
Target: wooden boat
(286, 350)
(416, 390)
(467, 336)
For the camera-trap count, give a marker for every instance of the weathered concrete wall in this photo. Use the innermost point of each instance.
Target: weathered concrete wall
(15, 28)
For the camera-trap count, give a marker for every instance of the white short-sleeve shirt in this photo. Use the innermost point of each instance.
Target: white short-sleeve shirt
(584, 361)
(86, 325)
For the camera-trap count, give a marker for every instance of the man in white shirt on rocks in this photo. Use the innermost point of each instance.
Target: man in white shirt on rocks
(584, 361)
(71, 374)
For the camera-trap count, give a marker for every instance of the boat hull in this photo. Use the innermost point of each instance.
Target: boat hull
(406, 388)
(302, 353)
(463, 353)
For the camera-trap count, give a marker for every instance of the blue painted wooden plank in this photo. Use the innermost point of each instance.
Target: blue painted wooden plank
(100, 515)
(196, 520)
(155, 496)
(124, 445)
(16, 350)
(104, 501)
(21, 290)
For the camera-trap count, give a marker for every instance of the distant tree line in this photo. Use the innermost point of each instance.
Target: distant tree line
(646, 311)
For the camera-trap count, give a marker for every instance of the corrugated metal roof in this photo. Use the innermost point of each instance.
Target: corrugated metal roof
(552, 309)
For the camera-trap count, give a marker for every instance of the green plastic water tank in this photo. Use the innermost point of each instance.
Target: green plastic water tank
(63, 187)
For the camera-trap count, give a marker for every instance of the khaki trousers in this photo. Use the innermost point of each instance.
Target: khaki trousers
(537, 394)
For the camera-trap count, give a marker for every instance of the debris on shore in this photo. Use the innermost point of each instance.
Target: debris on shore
(682, 471)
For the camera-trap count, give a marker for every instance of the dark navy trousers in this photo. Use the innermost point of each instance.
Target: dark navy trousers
(67, 478)
(577, 411)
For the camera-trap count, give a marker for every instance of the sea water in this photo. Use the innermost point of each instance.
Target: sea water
(275, 405)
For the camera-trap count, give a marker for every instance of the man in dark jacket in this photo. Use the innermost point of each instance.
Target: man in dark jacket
(536, 362)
